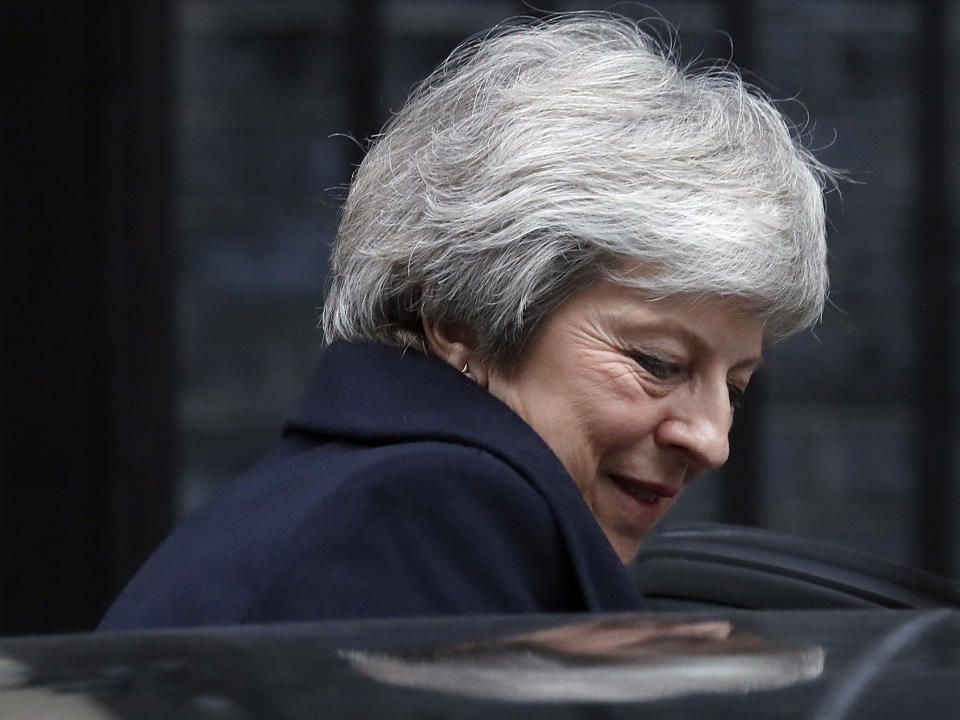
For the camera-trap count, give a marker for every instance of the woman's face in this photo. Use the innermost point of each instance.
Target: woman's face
(635, 397)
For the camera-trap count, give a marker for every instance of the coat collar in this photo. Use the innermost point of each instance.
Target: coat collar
(377, 393)
(382, 393)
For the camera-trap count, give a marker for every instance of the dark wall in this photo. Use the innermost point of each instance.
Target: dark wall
(86, 453)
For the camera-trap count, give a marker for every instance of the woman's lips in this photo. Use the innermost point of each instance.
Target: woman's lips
(643, 492)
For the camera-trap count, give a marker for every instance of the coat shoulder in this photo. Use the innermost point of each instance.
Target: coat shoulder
(427, 528)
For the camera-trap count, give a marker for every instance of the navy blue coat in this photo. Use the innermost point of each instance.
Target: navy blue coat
(401, 488)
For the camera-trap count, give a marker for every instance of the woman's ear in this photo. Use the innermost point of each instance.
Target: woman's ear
(453, 343)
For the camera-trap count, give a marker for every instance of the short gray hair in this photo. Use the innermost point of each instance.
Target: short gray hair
(549, 154)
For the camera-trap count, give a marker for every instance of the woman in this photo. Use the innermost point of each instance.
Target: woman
(552, 281)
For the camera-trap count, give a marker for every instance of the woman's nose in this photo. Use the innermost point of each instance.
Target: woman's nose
(700, 429)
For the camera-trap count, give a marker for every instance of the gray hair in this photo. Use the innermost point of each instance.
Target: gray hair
(550, 154)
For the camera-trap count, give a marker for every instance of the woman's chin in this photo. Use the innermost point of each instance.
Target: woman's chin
(628, 520)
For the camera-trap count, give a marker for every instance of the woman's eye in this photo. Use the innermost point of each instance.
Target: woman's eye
(736, 396)
(659, 368)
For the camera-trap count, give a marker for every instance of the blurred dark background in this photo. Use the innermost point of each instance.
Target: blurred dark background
(170, 187)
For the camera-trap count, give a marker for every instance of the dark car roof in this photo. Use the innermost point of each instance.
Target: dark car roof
(844, 664)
